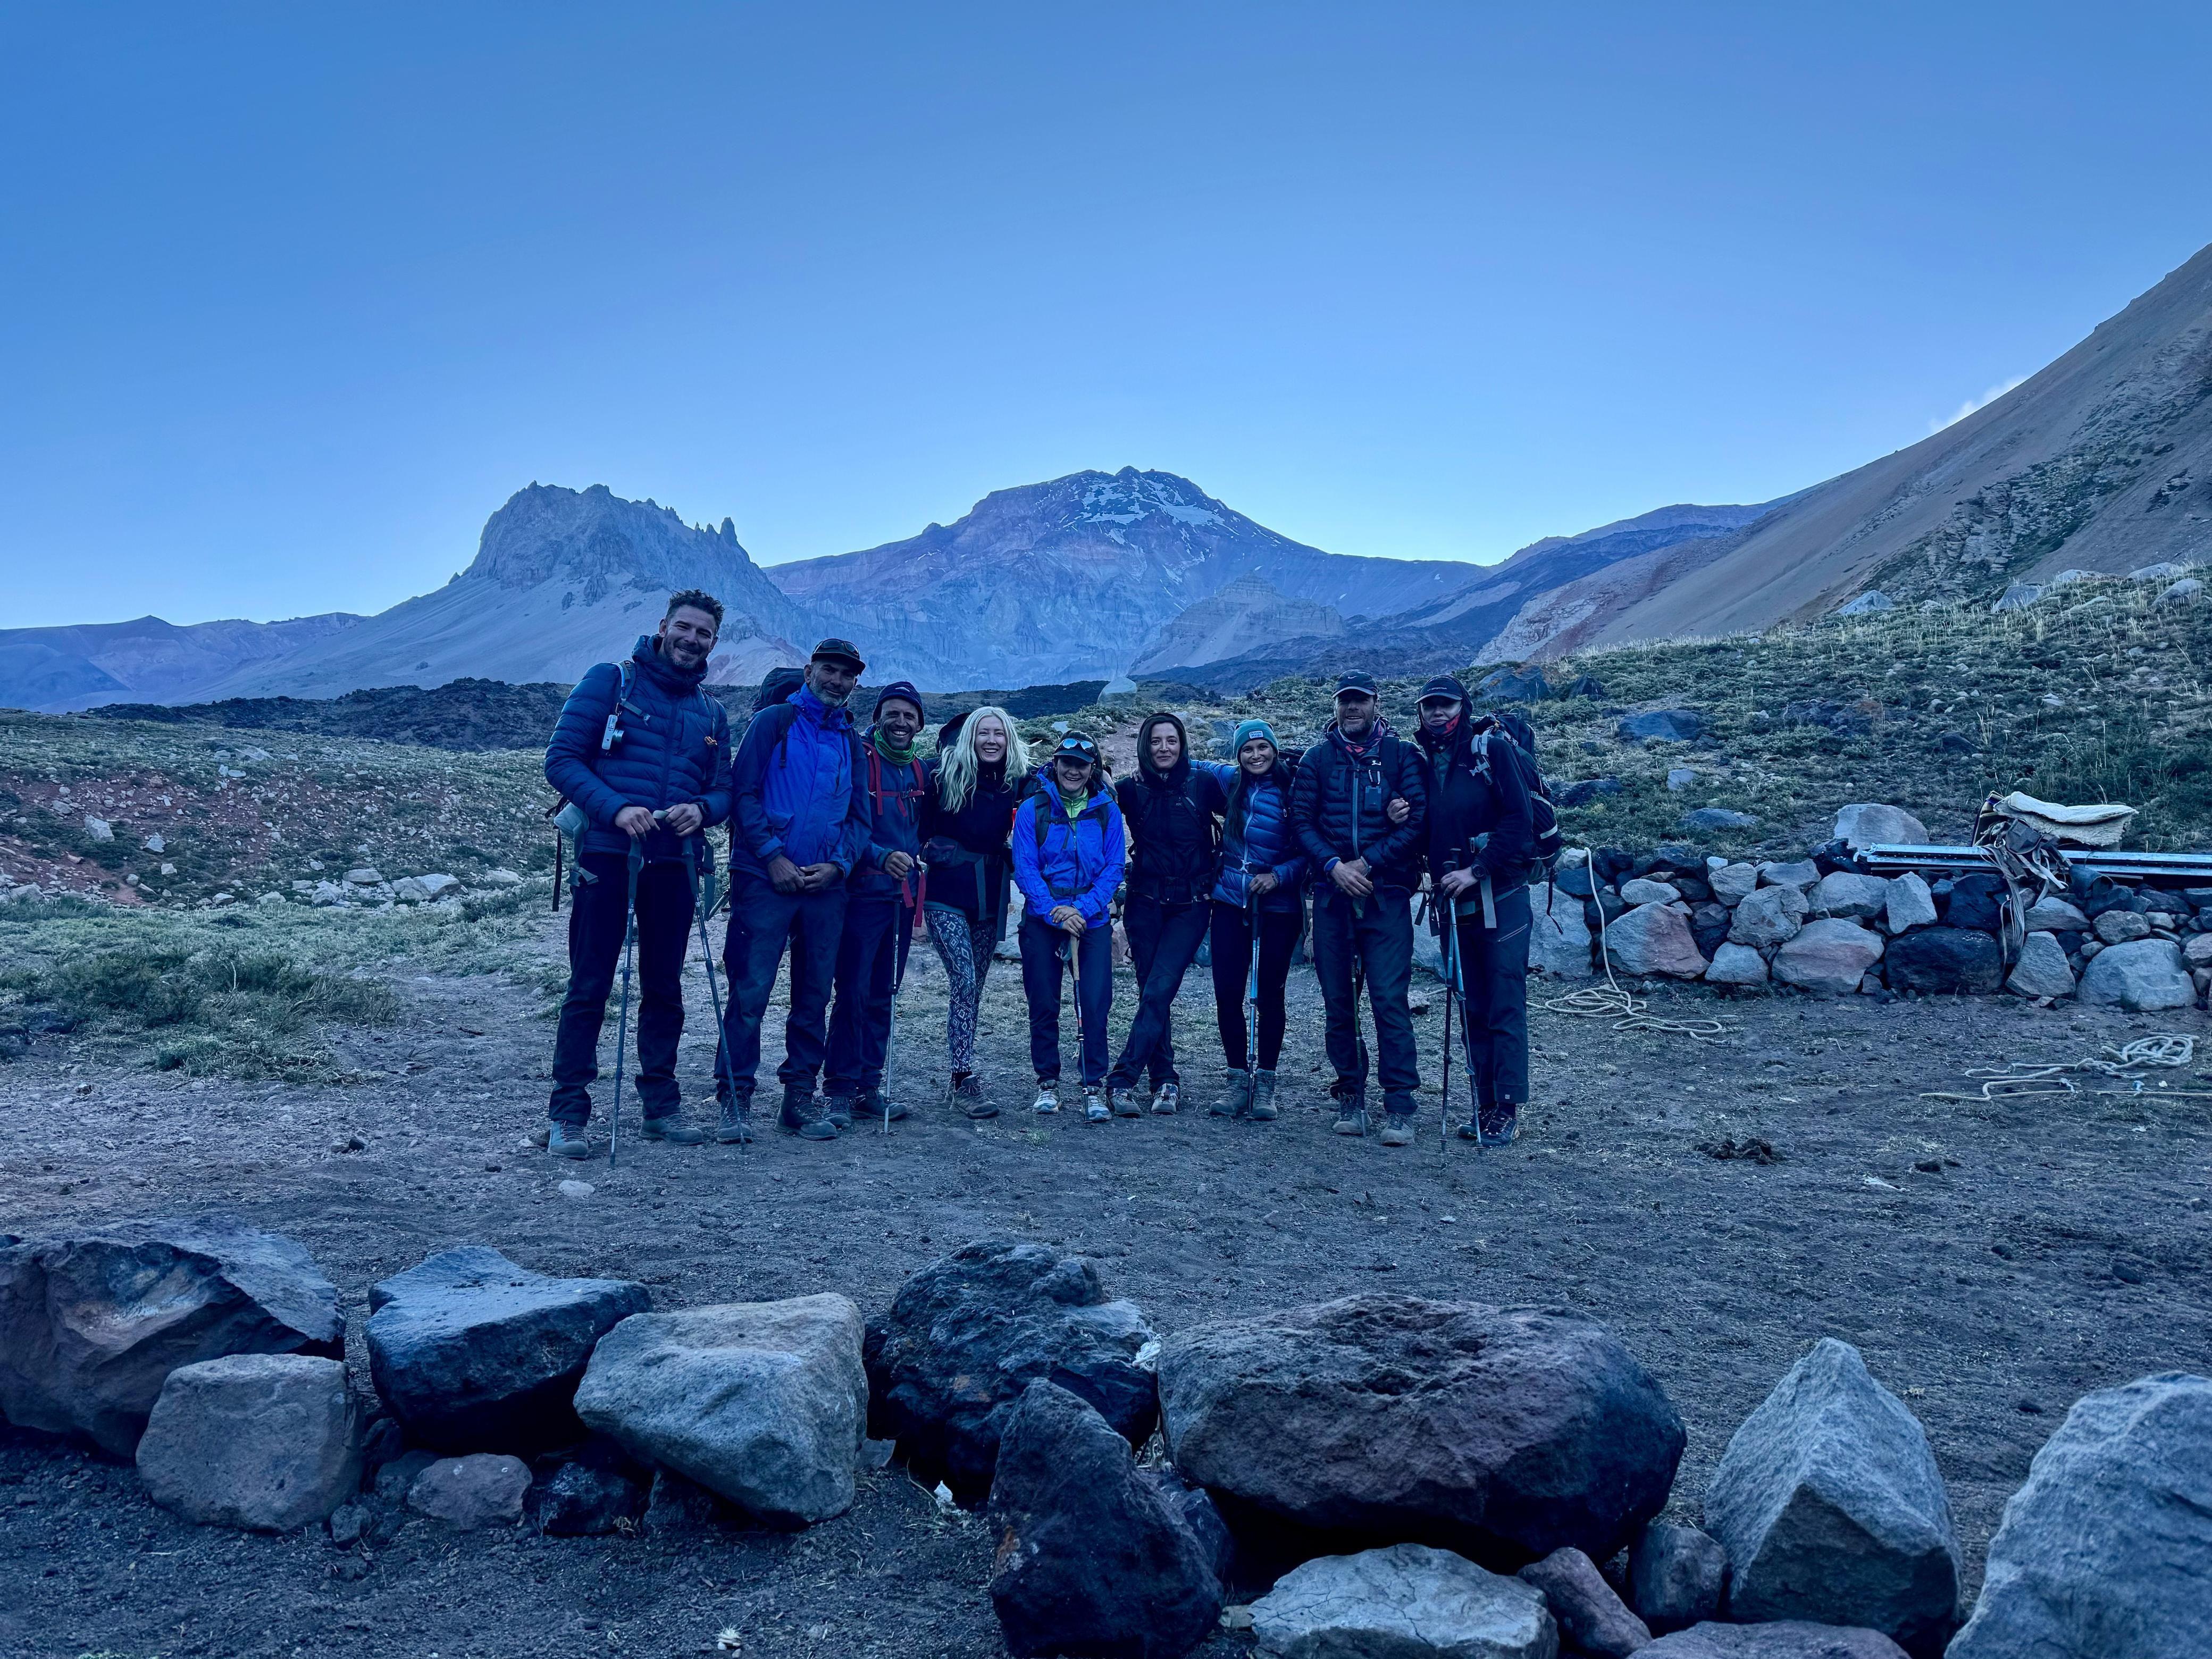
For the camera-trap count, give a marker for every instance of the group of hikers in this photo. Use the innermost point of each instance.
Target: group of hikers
(844, 841)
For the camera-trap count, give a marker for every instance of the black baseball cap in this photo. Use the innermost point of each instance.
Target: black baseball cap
(838, 651)
(1356, 683)
(1443, 686)
(1076, 747)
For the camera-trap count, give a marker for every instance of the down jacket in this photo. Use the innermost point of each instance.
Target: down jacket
(1338, 807)
(673, 747)
(1256, 837)
(1079, 864)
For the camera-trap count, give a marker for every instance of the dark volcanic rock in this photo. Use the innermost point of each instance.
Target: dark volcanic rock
(1942, 960)
(1093, 1559)
(1668, 724)
(473, 1353)
(1523, 685)
(1787, 1639)
(1503, 1432)
(587, 1495)
(1975, 902)
(91, 1325)
(970, 1332)
(464, 714)
(1676, 1575)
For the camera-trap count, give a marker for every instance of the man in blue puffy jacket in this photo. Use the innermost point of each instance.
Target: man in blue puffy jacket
(644, 754)
(798, 811)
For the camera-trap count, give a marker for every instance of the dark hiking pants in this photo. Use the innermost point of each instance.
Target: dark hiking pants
(597, 923)
(1093, 989)
(1232, 965)
(861, 1022)
(1381, 941)
(1493, 989)
(763, 922)
(1164, 941)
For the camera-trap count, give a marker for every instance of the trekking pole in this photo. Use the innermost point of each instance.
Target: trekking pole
(1252, 981)
(707, 953)
(1451, 980)
(1075, 985)
(900, 947)
(622, 1028)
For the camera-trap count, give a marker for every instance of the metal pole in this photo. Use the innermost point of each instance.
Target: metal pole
(622, 1028)
(707, 954)
(1451, 979)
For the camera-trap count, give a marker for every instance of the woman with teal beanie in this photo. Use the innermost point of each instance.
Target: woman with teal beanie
(1259, 892)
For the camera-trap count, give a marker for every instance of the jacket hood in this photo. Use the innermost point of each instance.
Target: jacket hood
(1146, 770)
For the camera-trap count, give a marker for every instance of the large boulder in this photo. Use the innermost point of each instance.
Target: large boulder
(1975, 903)
(270, 1442)
(971, 1331)
(2043, 969)
(1831, 955)
(1403, 1602)
(1592, 1618)
(1943, 960)
(473, 1353)
(1558, 937)
(1508, 1433)
(2142, 977)
(1092, 1558)
(1841, 893)
(1907, 903)
(1654, 939)
(1788, 1639)
(1662, 725)
(2107, 1549)
(1831, 1507)
(1869, 824)
(1767, 917)
(764, 1402)
(1676, 1575)
(91, 1325)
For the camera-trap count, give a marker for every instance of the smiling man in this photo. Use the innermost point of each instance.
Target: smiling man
(644, 754)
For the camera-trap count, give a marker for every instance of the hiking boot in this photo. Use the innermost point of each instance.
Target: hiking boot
(737, 1127)
(967, 1095)
(1047, 1095)
(1167, 1099)
(1236, 1098)
(804, 1116)
(1397, 1129)
(870, 1106)
(1095, 1107)
(1263, 1096)
(1499, 1125)
(1351, 1114)
(567, 1140)
(672, 1129)
(1123, 1103)
(838, 1108)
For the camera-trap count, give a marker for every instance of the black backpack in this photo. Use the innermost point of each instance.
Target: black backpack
(1519, 739)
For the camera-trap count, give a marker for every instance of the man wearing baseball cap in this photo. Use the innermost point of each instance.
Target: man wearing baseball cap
(800, 825)
(1369, 855)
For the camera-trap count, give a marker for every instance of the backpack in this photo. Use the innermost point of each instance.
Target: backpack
(1520, 741)
(568, 822)
(1043, 819)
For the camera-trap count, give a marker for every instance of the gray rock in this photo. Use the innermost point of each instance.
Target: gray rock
(1404, 1602)
(1800, 873)
(1841, 893)
(1506, 1433)
(1708, 820)
(398, 1476)
(1593, 1619)
(2142, 977)
(764, 1402)
(1654, 939)
(1662, 725)
(1832, 955)
(264, 1441)
(1732, 883)
(678, 1505)
(2042, 969)
(2122, 927)
(92, 1325)
(483, 1489)
(1559, 938)
(2107, 1548)
(970, 1331)
(1830, 1506)
(471, 1353)
(2164, 570)
(1871, 602)
(1768, 917)
(2196, 950)
(1093, 1557)
(2018, 596)
(1789, 1638)
(364, 877)
(2055, 915)
(347, 1522)
(1680, 778)
(1869, 824)
(1676, 1575)
(98, 829)
(1907, 903)
(1643, 891)
(2181, 592)
(1736, 965)
(1523, 685)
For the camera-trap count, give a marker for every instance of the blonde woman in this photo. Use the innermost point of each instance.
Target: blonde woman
(971, 786)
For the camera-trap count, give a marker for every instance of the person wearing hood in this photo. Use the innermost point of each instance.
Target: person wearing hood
(1068, 858)
(644, 754)
(1366, 855)
(970, 787)
(1172, 807)
(1257, 909)
(798, 804)
(1481, 852)
(882, 904)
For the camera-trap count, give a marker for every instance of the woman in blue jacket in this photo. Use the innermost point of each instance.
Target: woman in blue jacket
(1068, 855)
(1259, 895)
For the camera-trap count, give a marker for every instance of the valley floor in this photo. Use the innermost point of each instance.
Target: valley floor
(1993, 1263)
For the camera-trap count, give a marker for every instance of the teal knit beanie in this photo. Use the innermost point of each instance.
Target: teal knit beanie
(1248, 730)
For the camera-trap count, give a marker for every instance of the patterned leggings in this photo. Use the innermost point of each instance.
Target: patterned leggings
(964, 947)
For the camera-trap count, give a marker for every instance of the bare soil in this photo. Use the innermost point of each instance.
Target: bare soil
(1993, 1262)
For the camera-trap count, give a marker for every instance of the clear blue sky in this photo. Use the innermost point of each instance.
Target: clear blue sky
(291, 297)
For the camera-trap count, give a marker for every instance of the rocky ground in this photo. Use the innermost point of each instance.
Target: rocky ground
(1721, 1206)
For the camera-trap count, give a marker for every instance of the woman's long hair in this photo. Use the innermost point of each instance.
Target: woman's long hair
(958, 769)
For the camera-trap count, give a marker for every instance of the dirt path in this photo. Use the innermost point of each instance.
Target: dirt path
(1992, 1262)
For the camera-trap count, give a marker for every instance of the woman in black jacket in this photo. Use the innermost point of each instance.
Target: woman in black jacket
(969, 790)
(1481, 851)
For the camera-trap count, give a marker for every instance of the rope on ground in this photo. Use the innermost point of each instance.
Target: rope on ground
(2020, 1078)
(1629, 1012)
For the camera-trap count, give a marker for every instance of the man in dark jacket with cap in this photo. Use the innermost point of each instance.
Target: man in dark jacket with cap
(799, 817)
(1368, 854)
(882, 900)
(643, 754)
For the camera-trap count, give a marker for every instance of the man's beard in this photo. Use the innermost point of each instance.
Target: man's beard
(682, 653)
